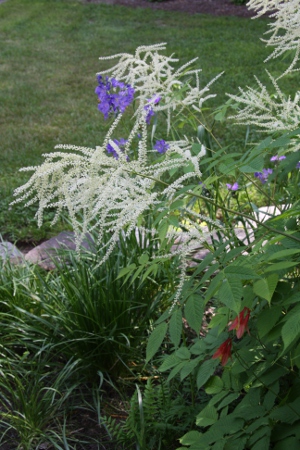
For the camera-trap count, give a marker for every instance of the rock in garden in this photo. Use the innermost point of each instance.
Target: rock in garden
(9, 251)
(50, 252)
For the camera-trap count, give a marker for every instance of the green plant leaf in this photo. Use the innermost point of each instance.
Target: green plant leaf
(241, 272)
(214, 385)
(271, 396)
(227, 400)
(262, 444)
(283, 265)
(176, 370)
(144, 258)
(214, 286)
(267, 318)
(207, 416)
(126, 270)
(205, 371)
(290, 443)
(155, 340)
(231, 292)
(253, 165)
(193, 312)
(218, 397)
(183, 353)
(175, 327)
(152, 268)
(176, 205)
(196, 148)
(169, 362)
(291, 329)
(283, 430)
(283, 254)
(163, 229)
(220, 320)
(269, 376)
(228, 168)
(258, 424)
(189, 367)
(288, 413)
(190, 438)
(265, 288)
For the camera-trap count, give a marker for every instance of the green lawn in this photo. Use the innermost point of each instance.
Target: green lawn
(49, 57)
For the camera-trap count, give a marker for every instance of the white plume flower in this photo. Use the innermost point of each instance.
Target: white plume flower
(108, 188)
(276, 112)
(271, 113)
(284, 29)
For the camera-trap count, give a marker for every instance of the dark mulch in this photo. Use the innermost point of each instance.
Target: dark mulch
(213, 7)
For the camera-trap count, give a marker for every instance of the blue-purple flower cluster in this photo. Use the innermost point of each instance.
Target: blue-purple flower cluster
(263, 176)
(161, 146)
(277, 158)
(232, 187)
(113, 96)
(149, 109)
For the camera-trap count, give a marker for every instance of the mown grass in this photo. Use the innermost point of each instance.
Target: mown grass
(49, 57)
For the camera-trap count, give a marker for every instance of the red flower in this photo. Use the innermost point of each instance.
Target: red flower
(240, 323)
(224, 351)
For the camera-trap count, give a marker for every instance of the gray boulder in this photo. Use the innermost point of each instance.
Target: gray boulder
(9, 251)
(49, 253)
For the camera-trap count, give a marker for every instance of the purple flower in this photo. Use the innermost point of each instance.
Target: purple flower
(113, 96)
(298, 165)
(148, 108)
(115, 83)
(155, 99)
(150, 113)
(263, 176)
(277, 158)
(120, 143)
(232, 187)
(161, 146)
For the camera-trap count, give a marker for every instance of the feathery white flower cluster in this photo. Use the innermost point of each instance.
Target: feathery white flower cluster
(274, 112)
(284, 29)
(153, 77)
(110, 193)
